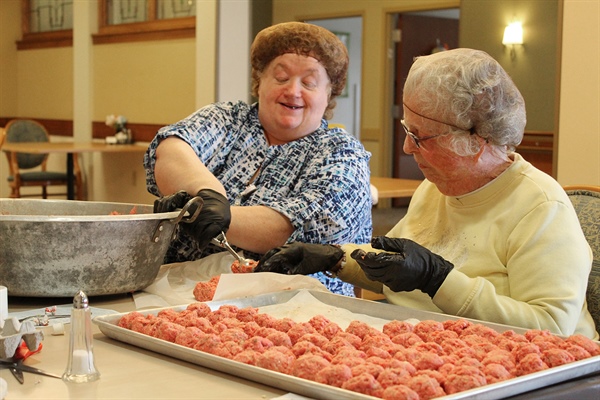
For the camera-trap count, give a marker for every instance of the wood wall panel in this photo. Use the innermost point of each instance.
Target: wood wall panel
(536, 147)
(60, 127)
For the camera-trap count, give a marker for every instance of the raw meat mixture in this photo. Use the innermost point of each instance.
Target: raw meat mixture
(205, 290)
(423, 361)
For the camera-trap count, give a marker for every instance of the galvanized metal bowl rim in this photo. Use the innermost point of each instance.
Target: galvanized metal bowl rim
(79, 218)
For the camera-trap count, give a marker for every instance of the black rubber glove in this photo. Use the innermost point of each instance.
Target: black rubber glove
(213, 219)
(172, 202)
(410, 267)
(300, 258)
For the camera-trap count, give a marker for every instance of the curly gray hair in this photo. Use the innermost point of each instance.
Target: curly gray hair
(471, 91)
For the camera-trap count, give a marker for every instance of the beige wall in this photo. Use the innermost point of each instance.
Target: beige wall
(162, 81)
(579, 126)
(10, 31)
(147, 82)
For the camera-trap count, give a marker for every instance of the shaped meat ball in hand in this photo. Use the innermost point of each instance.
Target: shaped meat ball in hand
(214, 217)
(301, 258)
(410, 266)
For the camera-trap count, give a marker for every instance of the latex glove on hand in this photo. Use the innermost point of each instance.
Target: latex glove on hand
(301, 258)
(410, 266)
(214, 217)
(171, 202)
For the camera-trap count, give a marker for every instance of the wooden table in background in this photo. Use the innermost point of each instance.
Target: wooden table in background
(388, 188)
(71, 148)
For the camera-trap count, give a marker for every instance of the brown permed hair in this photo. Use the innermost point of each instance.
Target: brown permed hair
(303, 39)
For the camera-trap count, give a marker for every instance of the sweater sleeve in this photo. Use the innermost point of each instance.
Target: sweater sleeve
(352, 273)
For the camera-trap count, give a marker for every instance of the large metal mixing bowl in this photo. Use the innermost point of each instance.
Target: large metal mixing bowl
(53, 248)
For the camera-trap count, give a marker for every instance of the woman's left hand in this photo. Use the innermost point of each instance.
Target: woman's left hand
(410, 266)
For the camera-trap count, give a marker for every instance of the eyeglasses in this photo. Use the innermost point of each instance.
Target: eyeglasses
(414, 137)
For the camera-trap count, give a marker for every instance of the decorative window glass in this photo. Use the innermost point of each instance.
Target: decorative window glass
(132, 11)
(49, 23)
(126, 11)
(135, 20)
(50, 15)
(176, 8)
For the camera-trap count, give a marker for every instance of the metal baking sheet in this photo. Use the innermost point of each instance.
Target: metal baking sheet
(537, 380)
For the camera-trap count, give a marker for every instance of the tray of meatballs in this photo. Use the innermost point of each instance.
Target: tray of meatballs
(325, 346)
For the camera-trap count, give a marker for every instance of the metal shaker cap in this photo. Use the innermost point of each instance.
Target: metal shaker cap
(80, 300)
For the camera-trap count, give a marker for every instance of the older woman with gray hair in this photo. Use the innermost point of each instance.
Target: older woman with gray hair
(486, 235)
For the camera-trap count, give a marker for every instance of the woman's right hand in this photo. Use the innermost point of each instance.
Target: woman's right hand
(214, 217)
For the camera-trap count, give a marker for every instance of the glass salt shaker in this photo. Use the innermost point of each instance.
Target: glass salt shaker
(81, 367)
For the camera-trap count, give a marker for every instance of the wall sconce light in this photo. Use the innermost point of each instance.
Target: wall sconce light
(513, 34)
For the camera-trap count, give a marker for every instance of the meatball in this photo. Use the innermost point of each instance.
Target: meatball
(457, 325)
(399, 392)
(208, 343)
(238, 268)
(457, 383)
(359, 328)
(364, 383)
(315, 338)
(353, 339)
(407, 339)
(247, 314)
(496, 373)
(427, 361)
(299, 330)
(233, 334)
(308, 366)
(189, 336)
(395, 327)
(284, 324)
(556, 357)
(126, 320)
(276, 360)
(532, 362)
(334, 375)
(393, 376)
(205, 291)
(367, 367)
(258, 343)
(337, 344)
(319, 322)
(280, 339)
(424, 329)
(168, 331)
(588, 344)
(202, 309)
(247, 356)
(425, 386)
(576, 351)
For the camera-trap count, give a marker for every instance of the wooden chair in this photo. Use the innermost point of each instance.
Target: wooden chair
(27, 170)
(586, 200)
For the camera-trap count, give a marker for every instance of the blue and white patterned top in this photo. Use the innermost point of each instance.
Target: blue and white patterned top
(320, 182)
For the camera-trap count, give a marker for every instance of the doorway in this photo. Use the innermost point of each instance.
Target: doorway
(347, 111)
(415, 34)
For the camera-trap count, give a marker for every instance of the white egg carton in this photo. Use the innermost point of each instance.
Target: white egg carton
(12, 332)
